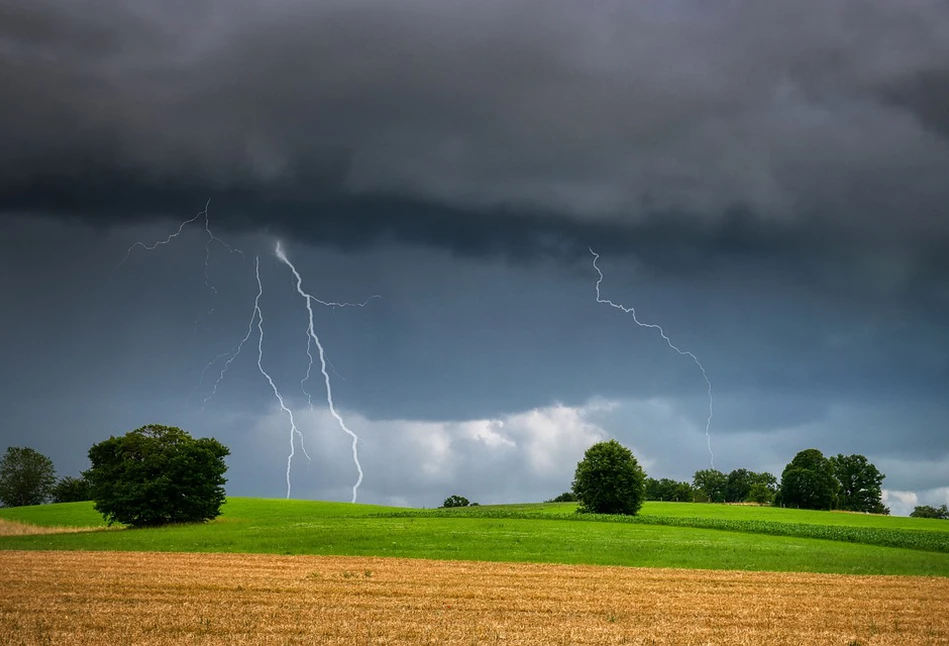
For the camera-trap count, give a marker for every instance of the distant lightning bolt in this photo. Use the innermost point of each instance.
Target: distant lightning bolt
(311, 332)
(211, 238)
(259, 316)
(207, 229)
(685, 353)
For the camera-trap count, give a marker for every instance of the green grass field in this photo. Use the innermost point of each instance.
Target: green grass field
(664, 534)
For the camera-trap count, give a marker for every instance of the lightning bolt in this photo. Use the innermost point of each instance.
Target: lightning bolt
(258, 317)
(211, 238)
(258, 314)
(309, 345)
(632, 311)
(312, 336)
(207, 247)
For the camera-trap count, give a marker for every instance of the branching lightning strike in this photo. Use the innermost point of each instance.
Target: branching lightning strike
(257, 315)
(207, 247)
(211, 238)
(312, 336)
(632, 311)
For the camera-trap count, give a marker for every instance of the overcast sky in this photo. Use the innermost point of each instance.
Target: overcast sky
(767, 181)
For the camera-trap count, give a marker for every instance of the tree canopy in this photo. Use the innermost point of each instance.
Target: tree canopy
(70, 489)
(928, 511)
(861, 484)
(712, 483)
(609, 480)
(808, 482)
(26, 477)
(669, 490)
(157, 475)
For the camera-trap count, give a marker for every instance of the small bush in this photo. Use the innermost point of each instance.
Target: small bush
(455, 501)
(566, 496)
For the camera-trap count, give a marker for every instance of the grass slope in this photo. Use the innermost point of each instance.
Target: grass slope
(515, 533)
(869, 533)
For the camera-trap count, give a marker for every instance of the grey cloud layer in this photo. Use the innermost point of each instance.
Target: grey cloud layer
(726, 161)
(478, 114)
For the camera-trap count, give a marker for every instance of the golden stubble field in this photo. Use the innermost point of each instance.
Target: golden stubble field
(171, 598)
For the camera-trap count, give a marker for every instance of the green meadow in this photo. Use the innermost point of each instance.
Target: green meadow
(684, 535)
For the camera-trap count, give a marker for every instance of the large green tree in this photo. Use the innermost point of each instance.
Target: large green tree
(26, 477)
(749, 486)
(808, 482)
(712, 483)
(157, 475)
(609, 480)
(738, 485)
(861, 484)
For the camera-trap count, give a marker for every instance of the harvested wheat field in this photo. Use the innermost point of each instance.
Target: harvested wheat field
(163, 598)
(14, 528)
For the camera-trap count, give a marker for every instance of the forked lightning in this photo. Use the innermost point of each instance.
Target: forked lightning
(632, 311)
(257, 315)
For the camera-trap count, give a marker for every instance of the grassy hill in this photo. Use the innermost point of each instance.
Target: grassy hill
(664, 534)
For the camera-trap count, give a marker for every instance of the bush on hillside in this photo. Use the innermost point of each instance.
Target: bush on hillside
(455, 501)
(566, 496)
(926, 511)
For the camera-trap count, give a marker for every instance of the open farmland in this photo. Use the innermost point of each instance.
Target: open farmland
(150, 598)
(525, 533)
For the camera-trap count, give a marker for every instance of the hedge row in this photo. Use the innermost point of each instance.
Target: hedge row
(929, 541)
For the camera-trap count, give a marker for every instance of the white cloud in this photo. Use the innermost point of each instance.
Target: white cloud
(529, 455)
(901, 503)
(935, 497)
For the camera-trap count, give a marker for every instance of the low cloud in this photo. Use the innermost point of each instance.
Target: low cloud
(528, 456)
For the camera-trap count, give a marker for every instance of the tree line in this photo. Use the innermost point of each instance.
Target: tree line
(609, 479)
(157, 474)
(809, 481)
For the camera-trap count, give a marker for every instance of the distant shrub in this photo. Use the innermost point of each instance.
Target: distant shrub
(926, 511)
(455, 501)
(566, 496)
(70, 489)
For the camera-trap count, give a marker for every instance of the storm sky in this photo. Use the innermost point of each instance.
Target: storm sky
(767, 181)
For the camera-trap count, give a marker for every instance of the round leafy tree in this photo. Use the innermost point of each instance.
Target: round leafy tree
(808, 482)
(26, 477)
(609, 480)
(157, 475)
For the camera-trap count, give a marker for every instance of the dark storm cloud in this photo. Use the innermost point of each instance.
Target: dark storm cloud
(679, 127)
